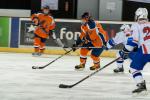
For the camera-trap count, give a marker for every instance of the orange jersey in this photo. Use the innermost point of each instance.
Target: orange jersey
(44, 23)
(97, 36)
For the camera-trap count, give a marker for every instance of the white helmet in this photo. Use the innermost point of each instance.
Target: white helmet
(125, 27)
(141, 13)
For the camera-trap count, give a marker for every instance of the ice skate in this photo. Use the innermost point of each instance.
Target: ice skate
(36, 54)
(94, 67)
(80, 67)
(141, 89)
(119, 70)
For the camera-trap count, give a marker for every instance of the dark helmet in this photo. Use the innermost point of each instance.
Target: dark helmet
(86, 15)
(46, 7)
(47, 10)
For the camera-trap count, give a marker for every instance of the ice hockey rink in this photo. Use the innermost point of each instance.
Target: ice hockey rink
(18, 81)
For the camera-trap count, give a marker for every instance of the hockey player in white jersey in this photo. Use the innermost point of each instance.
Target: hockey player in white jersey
(141, 38)
(120, 38)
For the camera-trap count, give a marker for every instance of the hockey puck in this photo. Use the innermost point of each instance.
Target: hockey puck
(33, 67)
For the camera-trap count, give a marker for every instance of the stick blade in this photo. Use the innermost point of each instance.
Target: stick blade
(37, 67)
(65, 86)
(34, 67)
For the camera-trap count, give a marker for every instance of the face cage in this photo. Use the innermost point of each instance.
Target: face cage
(140, 19)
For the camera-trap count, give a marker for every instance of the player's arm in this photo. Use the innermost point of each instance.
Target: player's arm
(80, 39)
(52, 24)
(52, 33)
(118, 39)
(132, 43)
(130, 46)
(103, 32)
(35, 19)
(51, 27)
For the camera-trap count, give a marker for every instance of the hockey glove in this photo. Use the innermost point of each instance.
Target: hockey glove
(35, 20)
(52, 33)
(124, 53)
(74, 47)
(77, 43)
(110, 44)
(105, 47)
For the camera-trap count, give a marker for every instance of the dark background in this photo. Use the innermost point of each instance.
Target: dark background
(15, 4)
(61, 13)
(129, 7)
(35, 6)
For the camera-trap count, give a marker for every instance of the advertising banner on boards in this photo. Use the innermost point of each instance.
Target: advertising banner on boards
(4, 31)
(67, 30)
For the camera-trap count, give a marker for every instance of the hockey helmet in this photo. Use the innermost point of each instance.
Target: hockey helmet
(141, 13)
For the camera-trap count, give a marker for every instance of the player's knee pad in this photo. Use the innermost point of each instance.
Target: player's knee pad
(37, 42)
(135, 72)
(42, 45)
(95, 58)
(84, 52)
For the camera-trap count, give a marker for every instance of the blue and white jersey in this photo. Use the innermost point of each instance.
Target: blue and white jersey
(120, 38)
(141, 35)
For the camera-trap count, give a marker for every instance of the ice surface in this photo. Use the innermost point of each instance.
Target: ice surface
(18, 81)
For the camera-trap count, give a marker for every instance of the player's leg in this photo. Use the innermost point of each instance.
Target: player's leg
(83, 57)
(36, 45)
(119, 64)
(96, 52)
(42, 45)
(136, 67)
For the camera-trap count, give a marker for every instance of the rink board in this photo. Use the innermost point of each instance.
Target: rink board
(111, 53)
(67, 30)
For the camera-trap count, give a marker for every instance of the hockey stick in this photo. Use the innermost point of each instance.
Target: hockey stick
(86, 47)
(70, 86)
(42, 67)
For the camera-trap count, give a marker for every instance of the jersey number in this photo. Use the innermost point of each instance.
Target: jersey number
(146, 31)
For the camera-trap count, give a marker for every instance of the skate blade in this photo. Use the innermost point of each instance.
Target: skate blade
(81, 69)
(95, 69)
(44, 56)
(41, 56)
(35, 56)
(118, 72)
(143, 93)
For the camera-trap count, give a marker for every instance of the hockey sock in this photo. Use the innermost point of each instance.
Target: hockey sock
(120, 63)
(137, 75)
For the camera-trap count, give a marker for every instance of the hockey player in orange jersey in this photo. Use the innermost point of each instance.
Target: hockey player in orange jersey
(45, 28)
(45, 23)
(93, 38)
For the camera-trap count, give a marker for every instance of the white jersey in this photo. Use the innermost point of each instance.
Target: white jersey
(141, 34)
(120, 38)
